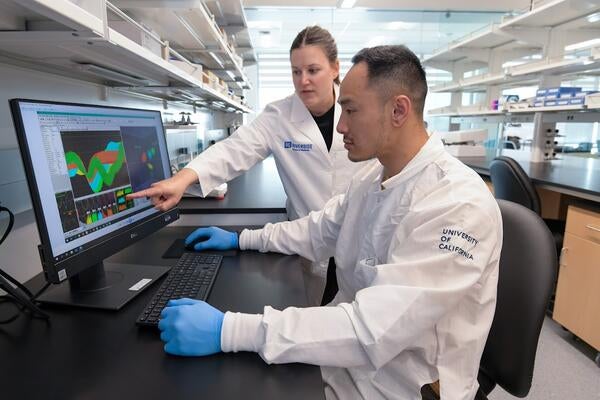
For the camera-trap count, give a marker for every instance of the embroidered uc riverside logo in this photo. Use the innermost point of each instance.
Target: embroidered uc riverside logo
(288, 144)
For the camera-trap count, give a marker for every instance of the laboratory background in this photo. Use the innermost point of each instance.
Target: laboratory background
(517, 79)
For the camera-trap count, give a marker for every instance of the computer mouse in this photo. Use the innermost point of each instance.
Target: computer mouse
(190, 246)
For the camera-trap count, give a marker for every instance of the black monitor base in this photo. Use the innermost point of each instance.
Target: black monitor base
(106, 286)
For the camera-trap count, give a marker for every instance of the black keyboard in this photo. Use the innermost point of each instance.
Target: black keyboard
(192, 277)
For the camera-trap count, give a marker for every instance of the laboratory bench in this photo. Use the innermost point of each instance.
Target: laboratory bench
(258, 190)
(572, 175)
(93, 354)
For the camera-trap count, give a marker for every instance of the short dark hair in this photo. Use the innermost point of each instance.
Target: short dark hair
(395, 68)
(317, 36)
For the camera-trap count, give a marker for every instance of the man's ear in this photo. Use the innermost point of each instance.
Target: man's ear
(401, 108)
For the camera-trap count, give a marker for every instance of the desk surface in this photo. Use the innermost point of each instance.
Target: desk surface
(571, 174)
(91, 354)
(258, 190)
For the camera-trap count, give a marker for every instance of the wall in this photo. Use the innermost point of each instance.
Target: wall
(18, 255)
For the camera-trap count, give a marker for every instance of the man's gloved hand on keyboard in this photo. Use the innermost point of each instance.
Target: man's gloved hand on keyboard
(191, 328)
(212, 238)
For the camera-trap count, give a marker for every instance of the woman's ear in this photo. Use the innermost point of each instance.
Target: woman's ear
(336, 68)
(401, 107)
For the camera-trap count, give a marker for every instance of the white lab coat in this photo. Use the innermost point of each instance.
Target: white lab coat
(309, 173)
(417, 269)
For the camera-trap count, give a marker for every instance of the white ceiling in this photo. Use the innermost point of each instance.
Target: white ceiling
(422, 25)
(438, 5)
(273, 29)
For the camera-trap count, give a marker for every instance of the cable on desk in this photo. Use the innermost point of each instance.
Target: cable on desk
(19, 295)
(39, 292)
(6, 299)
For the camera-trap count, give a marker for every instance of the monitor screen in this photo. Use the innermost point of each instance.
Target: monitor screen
(81, 162)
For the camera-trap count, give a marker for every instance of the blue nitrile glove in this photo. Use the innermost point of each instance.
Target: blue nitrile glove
(212, 238)
(191, 328)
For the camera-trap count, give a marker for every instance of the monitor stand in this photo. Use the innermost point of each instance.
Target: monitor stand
(105, 285)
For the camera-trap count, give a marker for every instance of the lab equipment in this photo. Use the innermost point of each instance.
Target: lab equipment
(81, 161)
(464, 143)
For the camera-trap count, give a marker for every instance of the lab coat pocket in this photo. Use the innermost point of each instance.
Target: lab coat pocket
(382, 234)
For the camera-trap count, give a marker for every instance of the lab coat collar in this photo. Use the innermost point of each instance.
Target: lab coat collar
(304, 121)
(431, 151)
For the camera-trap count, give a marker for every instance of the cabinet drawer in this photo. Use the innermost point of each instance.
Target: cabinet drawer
(583, 223)
(578, 290)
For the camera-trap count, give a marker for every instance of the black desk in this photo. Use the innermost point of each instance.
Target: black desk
(572, 175)
(258, 190)
(85, 354)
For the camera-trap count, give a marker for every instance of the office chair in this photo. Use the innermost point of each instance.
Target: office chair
(528, 267)
(513, 184)
(507, 144)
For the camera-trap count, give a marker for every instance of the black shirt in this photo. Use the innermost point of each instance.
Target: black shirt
(325, 124)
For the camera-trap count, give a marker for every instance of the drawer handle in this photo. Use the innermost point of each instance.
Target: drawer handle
(563, 256)
(592, 227)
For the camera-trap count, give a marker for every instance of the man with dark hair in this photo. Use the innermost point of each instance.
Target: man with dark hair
(416, 240)
(393, 69)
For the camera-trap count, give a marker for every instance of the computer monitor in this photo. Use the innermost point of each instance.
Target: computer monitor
(81, 161)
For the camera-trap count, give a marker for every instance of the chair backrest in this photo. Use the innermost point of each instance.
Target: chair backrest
(528, 267)
(513, 184)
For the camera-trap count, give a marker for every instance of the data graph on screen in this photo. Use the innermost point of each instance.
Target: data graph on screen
(96, 161)
(144, 160)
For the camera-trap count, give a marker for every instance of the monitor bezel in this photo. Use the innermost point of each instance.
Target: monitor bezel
(106, 246)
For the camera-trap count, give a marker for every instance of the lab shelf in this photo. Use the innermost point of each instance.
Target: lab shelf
(467, 113)
(530, 110)
(545, 46)
(471, 45)
(192, 32)
(446, 88)
(553, 14)
(450, 112)
(67, 40)
(512, 34)
(553, 108)
(521, 74)
(230, 15)
(553, 67)
(527, 34)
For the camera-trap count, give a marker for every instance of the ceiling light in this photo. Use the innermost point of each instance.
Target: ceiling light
(376, 41)
(583, 45)
(593, 17)
(347, 3)
(264, 25)
(400, 25)
(283, 56)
